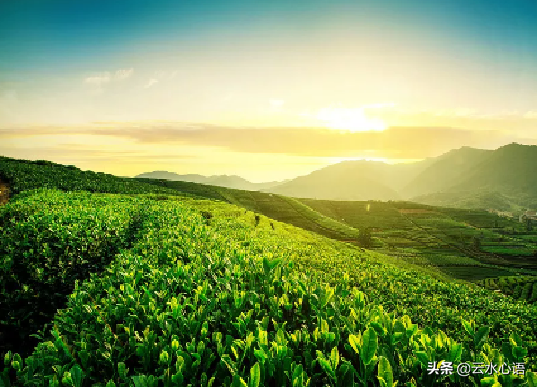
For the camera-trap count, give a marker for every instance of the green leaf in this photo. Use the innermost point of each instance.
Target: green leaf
(468, 327)
(255, 376)
(238, 381)
(455, 353)
(354, 342)
(532, 378)
(266, 265)
(298, 378)
(77, 375)
(422, 357)
(385, 374)
(334, 358)
(370, 345)
(140, 381)
(481, 337)
(507, 351)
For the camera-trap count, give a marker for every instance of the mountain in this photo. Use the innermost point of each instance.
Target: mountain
(229, 181)
(466, 177)
(444, 171)
(509, 170)
(350, 180)
(502, 179)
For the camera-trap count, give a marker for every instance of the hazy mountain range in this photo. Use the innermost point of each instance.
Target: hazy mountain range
(504, 178)
(229, 181)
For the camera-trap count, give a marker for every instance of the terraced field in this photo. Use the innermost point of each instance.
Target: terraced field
(519, 287)
(229, 300)
(162, 288)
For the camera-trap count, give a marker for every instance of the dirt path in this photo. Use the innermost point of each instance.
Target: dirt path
(4, 192)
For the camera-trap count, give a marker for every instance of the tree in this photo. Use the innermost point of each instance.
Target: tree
(477, 243)
(364, 238)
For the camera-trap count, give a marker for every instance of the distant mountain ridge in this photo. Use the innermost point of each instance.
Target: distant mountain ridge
(504, 178)
(229, 181)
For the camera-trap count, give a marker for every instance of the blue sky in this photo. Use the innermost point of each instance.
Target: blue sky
(275, 63)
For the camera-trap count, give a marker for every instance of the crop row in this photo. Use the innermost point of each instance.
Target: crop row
(519, 287)
(25, 175)
(224, 303)
(47, 241)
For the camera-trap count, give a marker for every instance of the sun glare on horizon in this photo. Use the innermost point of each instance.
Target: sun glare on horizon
(350, 119)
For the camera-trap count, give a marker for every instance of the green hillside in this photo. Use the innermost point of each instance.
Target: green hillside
(228, 300)
(446, 170)
(465, 178)
(343, 181)
(206, 288)
(440, 241)
(477, 199)
(23, 175)
(463, 244)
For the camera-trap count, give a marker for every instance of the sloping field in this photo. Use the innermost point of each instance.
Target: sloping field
(201, 293)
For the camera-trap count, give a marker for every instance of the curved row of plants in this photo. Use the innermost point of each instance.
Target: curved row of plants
(518, 287)
(47, 241)
(23, 175)
(224, 303)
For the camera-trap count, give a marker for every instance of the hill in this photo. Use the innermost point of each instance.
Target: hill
(229, 181)
(510, 171)
(188, 298)
(465, 177)
(434, 240)
(444, 171)
(151, 289)
(22, 175)
(360, 180)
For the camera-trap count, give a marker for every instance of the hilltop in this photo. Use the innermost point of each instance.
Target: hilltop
(229, 181)
(465, 177)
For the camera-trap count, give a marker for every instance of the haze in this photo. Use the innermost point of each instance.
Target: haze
(264, 90)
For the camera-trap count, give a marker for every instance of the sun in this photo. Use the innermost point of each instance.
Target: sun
(353, 120)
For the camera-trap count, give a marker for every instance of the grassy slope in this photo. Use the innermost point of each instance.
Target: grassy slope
(24, 175)
(216, 265)
(440, 237)
(288, 210)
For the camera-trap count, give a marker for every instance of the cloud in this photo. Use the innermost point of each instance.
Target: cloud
(151, 82)
(98, 79)
(394, 142)
(101, 78)
(401, 142)
(159, 76)
(531, 115)
(123, 74)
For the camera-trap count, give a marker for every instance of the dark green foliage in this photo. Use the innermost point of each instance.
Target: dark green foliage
(47, 242)
(364, 238)
(24, 175)
(191, 304)
(477, 243)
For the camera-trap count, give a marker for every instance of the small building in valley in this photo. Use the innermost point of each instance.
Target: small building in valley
(528, 215)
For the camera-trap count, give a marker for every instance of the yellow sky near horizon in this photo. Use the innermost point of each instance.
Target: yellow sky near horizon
(377, 131)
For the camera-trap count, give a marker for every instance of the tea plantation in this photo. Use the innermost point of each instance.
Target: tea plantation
(141, 285)
(185, 292)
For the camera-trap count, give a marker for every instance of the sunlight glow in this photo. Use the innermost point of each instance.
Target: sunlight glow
(354, 120)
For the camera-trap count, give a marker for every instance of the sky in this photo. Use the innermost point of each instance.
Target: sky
(265, 90)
